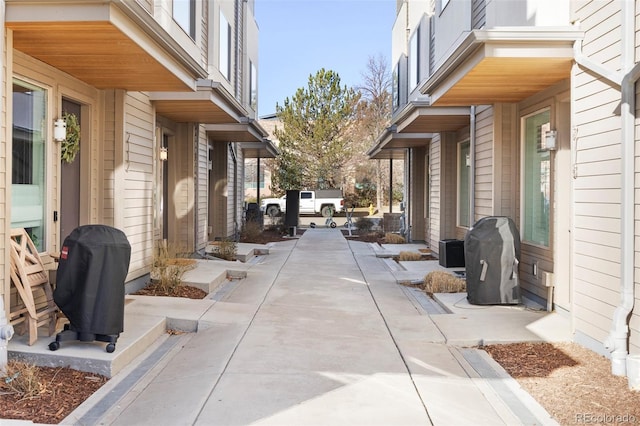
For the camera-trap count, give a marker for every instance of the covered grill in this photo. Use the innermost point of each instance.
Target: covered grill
(492, 254)
(94, 262)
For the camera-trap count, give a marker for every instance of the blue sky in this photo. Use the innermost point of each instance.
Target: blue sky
(299, 37)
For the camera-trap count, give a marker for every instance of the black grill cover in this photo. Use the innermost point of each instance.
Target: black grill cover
(492, 254)
(94, 262)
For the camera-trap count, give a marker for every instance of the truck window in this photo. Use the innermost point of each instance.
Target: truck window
(305, 195)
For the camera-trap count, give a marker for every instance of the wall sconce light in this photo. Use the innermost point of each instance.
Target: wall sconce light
(59, 130)
(550, 140)
(164, 154)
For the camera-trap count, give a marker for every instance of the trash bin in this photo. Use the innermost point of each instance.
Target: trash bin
(492, 254)
(94, 262)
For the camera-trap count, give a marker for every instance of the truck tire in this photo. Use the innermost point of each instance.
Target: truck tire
(325, 211)
(273, 211)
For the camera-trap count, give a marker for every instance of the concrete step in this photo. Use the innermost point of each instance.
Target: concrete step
(139, 333)
(245, 252)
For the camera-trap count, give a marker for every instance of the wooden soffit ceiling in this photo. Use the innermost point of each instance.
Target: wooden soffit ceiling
(392, 145)
(503, 71)
(100, 44)
(239, 132)
(430, 119)
(262, 149)
(209, 104)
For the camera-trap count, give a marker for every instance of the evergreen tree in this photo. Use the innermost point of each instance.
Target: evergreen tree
(315, 141)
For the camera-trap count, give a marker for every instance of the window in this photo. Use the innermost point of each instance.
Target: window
(395, 89)
(537, 179)
(464, 169)
(414, 60)
(28, 173)
(225, 47)
(250, 178)
(253, 89)
(184, 13)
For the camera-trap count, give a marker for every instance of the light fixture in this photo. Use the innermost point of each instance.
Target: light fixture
(164, 154)
(59, 130)
(550, 140)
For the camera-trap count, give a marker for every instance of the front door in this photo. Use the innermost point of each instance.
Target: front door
(70, 182)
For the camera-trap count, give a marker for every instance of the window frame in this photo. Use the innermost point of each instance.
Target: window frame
(224, 56)
(414, 60)
(43, 240)
(188, 27)
(461, 178)
(524, 221)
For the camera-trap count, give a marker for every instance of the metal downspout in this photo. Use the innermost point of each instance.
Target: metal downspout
(472, 161)
(617, 341)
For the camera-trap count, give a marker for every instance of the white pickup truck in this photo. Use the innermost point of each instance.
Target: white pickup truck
(320, 201)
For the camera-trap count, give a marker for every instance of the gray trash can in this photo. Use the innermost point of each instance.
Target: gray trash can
(492, 254)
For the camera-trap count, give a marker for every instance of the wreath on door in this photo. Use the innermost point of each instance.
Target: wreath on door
(71, 145)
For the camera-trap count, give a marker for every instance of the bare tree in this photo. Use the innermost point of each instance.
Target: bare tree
(374, 114)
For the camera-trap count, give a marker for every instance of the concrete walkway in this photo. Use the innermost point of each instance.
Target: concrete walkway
(319, 333)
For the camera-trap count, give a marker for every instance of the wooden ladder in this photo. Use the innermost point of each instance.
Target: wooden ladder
(31, 280)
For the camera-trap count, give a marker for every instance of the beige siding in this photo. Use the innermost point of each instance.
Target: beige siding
(506, 173)
(634, 322)
(137, 193)
(484, 164)
(204, 45)
(182, 186)
(202, 177)
(218, 191)
(597, 183)
(435, 159)
(5, 162)
(418, 194)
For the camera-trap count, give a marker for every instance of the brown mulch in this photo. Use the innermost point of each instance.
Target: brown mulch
(365, 237)
(64, 389)
(268, 236)
(573, 384)
(189, 292)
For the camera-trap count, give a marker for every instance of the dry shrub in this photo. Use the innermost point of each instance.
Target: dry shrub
(443, 282)
(364, 224)
(409, 256)
(251, 232)
(169, 265)
(391, 238)
(22, 379)
(225, 249)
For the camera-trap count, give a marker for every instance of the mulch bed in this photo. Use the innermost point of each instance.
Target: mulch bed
(572, 383)
(63, 391)
(189, 292)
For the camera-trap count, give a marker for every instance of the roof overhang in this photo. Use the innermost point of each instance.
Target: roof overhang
(248, 131)
(263, 149)
(421, 117)
(108, 44)
(503, 65)
(211, 103)
(392, 145)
